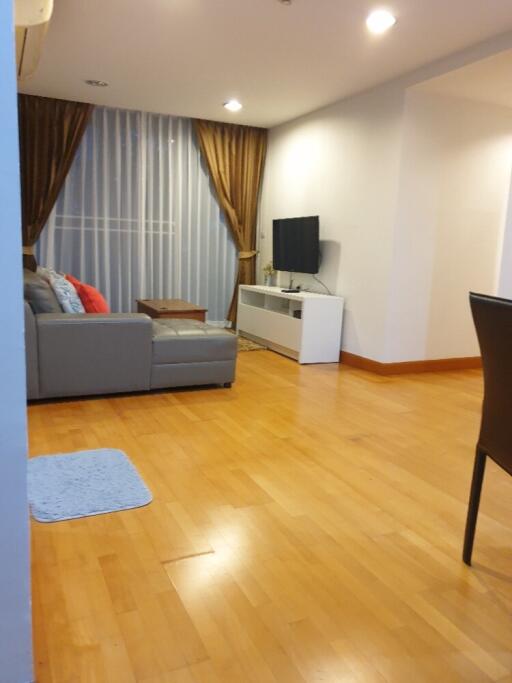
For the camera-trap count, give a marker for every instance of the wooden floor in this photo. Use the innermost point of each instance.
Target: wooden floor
(306, 527)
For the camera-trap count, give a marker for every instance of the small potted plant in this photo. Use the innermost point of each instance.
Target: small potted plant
(268, 272)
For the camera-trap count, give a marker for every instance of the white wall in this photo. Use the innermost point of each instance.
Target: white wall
(342, 164)
(505, 277)
(411, 194)
(15, 624)
(454, 181)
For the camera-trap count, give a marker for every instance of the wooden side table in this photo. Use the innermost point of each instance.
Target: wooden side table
(171, 308)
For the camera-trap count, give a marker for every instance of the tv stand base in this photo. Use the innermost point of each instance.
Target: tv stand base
(302, 325)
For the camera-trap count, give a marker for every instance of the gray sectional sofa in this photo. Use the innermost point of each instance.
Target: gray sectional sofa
(87, 354)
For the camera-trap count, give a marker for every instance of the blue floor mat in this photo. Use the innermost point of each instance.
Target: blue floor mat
(71, 485)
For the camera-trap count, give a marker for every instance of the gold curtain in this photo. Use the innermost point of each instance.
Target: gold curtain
(235, 156)
(50, 132)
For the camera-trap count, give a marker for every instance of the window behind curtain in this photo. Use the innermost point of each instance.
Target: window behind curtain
(138, 218)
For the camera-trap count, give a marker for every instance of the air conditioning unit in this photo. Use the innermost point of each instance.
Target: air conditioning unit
(31, 18)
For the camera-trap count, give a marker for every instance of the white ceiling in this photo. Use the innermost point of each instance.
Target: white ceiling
(488, 80)
(186, 57)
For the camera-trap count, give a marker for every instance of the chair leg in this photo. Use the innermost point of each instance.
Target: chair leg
(474, 502)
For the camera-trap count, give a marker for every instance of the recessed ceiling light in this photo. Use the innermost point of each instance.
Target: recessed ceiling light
(380, 21)
(96, 84)
(233, 105)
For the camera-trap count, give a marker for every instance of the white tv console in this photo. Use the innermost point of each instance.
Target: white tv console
(304, 326)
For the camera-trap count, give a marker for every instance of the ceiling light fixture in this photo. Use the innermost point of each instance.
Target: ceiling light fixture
(96, 84)
(233, 105)
(285, 2)
(380, 21)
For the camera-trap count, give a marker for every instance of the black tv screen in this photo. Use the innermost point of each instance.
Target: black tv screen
(296, 244)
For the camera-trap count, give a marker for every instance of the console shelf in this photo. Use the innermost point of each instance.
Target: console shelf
(304, 326)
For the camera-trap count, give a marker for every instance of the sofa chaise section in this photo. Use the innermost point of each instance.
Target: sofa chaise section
(189, 352)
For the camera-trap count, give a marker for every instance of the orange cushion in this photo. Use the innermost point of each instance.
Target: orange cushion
(92, 300)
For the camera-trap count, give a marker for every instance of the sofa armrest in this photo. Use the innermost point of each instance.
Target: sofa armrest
(32, 368)
(93, 353)
(68, 319)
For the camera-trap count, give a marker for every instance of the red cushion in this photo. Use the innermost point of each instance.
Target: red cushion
(92, 300)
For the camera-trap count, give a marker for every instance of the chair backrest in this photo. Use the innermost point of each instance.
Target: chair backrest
(493, 321)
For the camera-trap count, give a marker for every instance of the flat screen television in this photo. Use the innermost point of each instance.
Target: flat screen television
(296, 244)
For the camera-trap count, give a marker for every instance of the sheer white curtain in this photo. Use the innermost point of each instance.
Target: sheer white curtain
(137, 216)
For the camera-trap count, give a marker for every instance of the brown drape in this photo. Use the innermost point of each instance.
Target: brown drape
(235, 156)
(50, 132)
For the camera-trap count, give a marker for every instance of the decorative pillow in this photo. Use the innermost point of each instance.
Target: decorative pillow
(39, 294)
(92, 300)
(66, 294)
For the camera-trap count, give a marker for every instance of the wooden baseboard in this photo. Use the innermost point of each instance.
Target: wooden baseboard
(442, 364)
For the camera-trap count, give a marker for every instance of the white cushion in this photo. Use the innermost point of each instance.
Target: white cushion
(66, 294)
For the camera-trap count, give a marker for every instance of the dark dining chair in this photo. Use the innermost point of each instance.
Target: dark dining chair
(493, 322)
